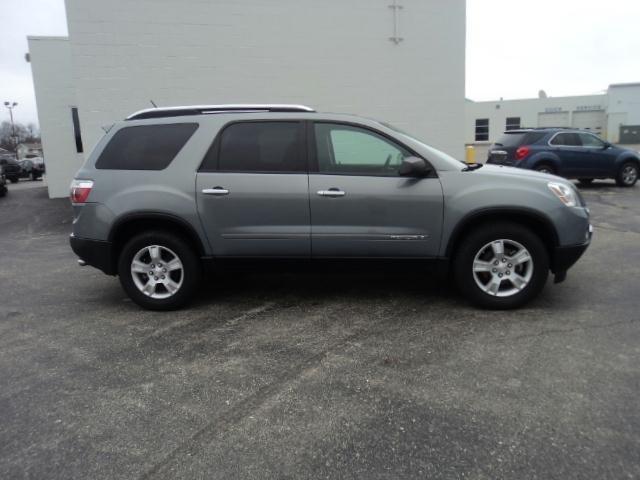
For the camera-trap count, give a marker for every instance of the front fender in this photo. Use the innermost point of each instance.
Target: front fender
(466, 195)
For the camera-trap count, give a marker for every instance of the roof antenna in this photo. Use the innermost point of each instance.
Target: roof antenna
(154, 104)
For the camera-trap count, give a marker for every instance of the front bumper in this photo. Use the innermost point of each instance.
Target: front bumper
(97, 253)
(565, 257)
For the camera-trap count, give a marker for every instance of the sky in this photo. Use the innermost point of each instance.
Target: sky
(515, 48)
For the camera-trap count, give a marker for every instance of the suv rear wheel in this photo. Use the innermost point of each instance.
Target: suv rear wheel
(545, 168)
(159, 270)
(627, 175)
(501, 266)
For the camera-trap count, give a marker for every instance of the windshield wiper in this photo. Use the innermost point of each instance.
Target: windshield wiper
(472, 167)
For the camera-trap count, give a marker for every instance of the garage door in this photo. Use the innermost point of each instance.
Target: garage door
(591, 120)
(553, 119)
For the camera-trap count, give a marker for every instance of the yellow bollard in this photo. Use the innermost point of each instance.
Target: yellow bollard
(470, 155)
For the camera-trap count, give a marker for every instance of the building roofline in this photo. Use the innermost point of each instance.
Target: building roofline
(632, 84)
(538, 98)
(48, 37)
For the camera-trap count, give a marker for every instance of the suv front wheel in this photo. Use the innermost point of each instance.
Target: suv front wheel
(627, 175)
(501, 266)
(159, 270)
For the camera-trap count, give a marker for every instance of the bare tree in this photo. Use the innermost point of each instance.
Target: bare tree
(23, 134)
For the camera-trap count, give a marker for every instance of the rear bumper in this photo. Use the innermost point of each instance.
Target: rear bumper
(96, 253)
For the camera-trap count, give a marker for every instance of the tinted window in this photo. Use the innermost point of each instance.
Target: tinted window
(76, 129)
(352, 150)
(520, 138)
(262, 147)
(589, 140)
(145, 147)
(567, 140)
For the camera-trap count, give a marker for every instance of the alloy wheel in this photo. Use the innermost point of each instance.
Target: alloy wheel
(629, 174)
(157, 271)
(502, 268)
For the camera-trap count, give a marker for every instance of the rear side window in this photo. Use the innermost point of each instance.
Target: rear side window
(262, 147)
(145, 147)
(520, 138)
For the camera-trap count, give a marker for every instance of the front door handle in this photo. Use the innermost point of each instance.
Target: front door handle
(218, 191)
(332, 192)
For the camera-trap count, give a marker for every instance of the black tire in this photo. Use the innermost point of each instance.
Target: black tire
(13, 179)
(585, 181)
(624, 178)
(3, 191)
(473, 243)
(545, 168)
(190, 274)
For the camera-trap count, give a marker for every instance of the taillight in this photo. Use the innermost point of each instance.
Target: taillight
(522, 153)
(80, 190)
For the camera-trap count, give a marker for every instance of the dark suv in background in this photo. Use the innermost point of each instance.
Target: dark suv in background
(11, 168)
(568, 153)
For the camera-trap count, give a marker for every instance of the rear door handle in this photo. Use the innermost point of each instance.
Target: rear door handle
(332, 192)
(218, 191)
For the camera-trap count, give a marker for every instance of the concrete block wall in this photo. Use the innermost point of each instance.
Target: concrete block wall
(330, 54)
(55, 95)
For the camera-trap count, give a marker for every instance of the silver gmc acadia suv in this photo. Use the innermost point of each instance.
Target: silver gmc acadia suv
(172, 192)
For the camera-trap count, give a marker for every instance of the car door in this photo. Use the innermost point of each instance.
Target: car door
(601, 157)
(575, 160)
(253, 193)
(360, 206)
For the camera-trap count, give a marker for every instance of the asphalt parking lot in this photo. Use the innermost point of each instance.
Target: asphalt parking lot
(316, 375)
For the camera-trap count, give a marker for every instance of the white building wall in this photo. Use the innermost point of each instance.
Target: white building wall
(330, 54)
(55, 95)
(533, 112)
(624, 108)
(528, 110)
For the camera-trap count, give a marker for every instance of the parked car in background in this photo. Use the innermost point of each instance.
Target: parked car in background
(3, 182)
(171, 191)
(11, 168)
(32, 168)
(569, 153)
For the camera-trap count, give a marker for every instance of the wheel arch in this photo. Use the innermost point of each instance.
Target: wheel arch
(134, 223)
(548, 159)
(539, 223)
(627, 157)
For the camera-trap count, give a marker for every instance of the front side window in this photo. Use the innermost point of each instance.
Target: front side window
(145, 147)
(589, 140)
(348, 150)
(262, 147)
(566, 140)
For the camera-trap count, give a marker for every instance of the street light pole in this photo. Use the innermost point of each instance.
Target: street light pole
(10, 106)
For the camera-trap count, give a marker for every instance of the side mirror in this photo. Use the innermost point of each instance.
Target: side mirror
(414, 167)
(606, 145)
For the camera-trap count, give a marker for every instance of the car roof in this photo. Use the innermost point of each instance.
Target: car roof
(191, 110)
(548, 130)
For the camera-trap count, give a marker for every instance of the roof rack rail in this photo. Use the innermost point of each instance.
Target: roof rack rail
(211, 109)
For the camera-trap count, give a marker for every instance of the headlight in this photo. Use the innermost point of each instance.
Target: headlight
(564, 192)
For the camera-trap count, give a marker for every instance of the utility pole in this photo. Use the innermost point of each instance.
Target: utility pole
(10, 106)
